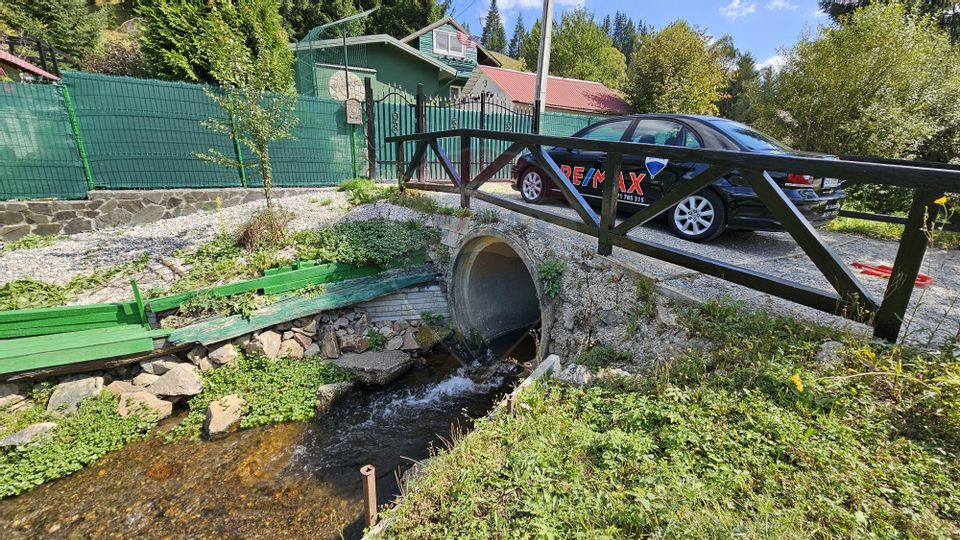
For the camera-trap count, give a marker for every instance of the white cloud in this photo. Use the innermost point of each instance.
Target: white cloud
(535, 4)
(738, 8)
(818, 13)
(781, 4)
(775, 62)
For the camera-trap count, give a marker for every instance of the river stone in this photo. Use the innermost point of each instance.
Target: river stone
(291, 349)
(409, 341)
(267, 344)
(394, 343)
(328, 394)
(144, 379)
(376, 367)
(312, 350)
(196, 355)
(310, 328)
(303, 339)
(224, 355)
(11, 394)
(27, 434)
(74, 389)
(328, 342)
(576, 375)
(131, 402)
(121, 387)
(182, 380)
(223, 416)
(160, 365)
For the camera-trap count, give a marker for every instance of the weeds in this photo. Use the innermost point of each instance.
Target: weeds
(361, 243)
(601, 356)
(551, 275)
(244, 304)
(646, 305)
(377, 340)
(363, 191)
(267, 227)
(486, 215)
(31, 241)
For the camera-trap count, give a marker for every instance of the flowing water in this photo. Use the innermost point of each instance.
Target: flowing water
(292, 480)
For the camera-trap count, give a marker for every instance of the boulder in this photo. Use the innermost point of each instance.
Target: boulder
(144, 379)
(394, 343)
(223, 416)
(11, 394)
(376, 367)
(830, 353)
(341, 322)
(223, 355)
(74, 389)
(310, 328)
(328, 342)
(196, 354)
(291, 349)
(182, 380)
(328, 394)
(409, 341)
(27, 435)
(121, 387)
(161, 364)
(143, 401)
(312, 350)
(388, 332)
(303, 339)
(267, 344)
(576, 375)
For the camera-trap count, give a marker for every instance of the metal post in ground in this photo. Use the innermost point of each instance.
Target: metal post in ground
(368, 473)
(371, 129)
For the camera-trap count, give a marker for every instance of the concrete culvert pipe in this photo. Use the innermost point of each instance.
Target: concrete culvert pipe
(492, 288)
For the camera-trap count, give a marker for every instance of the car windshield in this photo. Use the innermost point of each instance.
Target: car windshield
(748, 137)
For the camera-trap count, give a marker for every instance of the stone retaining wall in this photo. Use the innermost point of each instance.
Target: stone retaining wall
(407, 304)
(108, 209)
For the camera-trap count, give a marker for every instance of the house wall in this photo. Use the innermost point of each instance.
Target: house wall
(466, 63)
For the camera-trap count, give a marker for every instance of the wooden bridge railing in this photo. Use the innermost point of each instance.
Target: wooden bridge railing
(849, 298)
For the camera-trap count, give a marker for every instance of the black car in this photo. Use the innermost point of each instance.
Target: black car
(728, 203)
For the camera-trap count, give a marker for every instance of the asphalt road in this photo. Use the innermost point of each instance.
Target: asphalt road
(932, 318)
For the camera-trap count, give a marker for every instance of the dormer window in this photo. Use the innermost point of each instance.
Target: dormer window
(446, 43)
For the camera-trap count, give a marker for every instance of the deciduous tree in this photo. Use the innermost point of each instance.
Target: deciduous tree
(743, 80)
(580, 50)
(945, 12)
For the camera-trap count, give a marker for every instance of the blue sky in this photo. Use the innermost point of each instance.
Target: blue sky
(759, 26)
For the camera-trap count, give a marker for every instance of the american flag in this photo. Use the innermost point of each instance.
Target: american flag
(466, 39)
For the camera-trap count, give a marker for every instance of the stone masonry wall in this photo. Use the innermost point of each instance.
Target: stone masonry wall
(108, 209)
(407, 304)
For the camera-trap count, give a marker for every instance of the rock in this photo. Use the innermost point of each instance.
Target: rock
(328, 343)
(312, 350)
(144, 379)
(666, 316)
(310, 328)
(610, 317)
(342, 322)
(283, 327)
(576, 375)
(328, 394)
(223, 416)
(11, 394)
(409, 341)
(394, 343)
(195, 355)
(143, 401)
(204, 364)
(242, 340)
(224, 355)
(830, 353)
(74, 389)
(182, 380)
(400, 326)
(161, 364)
(387, 332)
(303, 339)
(287, 335)
(363, 343)
(121, 387)
(376, 367)
(27, 435)
(267, 344)
(291, 349)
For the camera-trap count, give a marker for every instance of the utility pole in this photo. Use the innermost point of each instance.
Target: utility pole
(543, 63)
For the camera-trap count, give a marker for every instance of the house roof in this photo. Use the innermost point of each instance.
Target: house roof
(450, 20)
(377, 39)
(571, 94)
(23, 65)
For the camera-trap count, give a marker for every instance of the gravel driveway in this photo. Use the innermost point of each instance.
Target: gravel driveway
(932, 317)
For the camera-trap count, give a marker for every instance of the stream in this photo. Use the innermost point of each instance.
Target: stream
(291, 480)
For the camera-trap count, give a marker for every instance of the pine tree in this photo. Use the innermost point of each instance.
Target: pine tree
(624, 34)
(300, 16)
(607, 27)
(494, 36)
(66, 24)
(400, 18)
(519, 36)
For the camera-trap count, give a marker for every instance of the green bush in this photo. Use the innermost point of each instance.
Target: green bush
(551, 275)
(360, 243)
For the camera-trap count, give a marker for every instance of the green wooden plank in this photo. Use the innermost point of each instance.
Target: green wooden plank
(326, 277)
(16, 315)
(71, 340)
(336, 295)
(8, 333)
(36, 360)
(138, 302)
(116, 318)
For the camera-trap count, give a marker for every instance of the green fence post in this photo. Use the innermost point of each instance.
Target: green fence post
(75, 126)
(238, 151)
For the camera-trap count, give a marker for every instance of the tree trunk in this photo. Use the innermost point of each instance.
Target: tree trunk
(267, 172)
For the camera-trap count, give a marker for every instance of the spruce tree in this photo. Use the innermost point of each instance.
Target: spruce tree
(66, 24)
(494, 36)
(607, 27)
(519, 36)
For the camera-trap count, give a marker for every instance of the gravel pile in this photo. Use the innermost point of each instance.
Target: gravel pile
(85, 252)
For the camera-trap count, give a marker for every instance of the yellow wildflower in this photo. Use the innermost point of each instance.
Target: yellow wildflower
(942, 201)
(795, 379)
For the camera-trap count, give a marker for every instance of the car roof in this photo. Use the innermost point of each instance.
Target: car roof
(719, 139)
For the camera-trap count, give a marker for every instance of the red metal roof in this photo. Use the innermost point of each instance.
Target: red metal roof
(571, 94)
(22, 64)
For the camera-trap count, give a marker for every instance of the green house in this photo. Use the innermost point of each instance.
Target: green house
(440, 56)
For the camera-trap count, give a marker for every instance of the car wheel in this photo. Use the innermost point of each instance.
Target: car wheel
(699, 218)
(532, 185)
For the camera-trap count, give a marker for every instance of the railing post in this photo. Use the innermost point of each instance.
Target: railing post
(913, 244)
(371, 129)
(608, 210)
(421, 126)
(401, 167)
(536, 117)
(465, 173)
(483, 125)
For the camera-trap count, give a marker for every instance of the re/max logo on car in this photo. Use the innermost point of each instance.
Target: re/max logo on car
(581, 176)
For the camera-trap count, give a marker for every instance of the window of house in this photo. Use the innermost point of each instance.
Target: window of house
(446, 42)
(455, 93)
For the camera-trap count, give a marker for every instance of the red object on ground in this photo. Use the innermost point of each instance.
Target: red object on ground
(885, 270)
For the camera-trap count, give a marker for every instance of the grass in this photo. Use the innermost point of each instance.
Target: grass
(78, 440)
(31, 241)
(281, 390)
(363, 191)
(889, 231)
(754, 439)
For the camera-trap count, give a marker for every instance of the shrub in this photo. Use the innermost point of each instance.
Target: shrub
(265, 228)
(360, 243)
(551, 275)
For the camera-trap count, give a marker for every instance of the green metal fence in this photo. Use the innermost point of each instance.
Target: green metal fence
(38, 152)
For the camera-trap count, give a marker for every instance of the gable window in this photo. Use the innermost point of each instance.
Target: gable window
(446, 43)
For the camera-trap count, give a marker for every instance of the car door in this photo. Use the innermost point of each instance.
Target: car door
(645, 178)
(582, 166)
